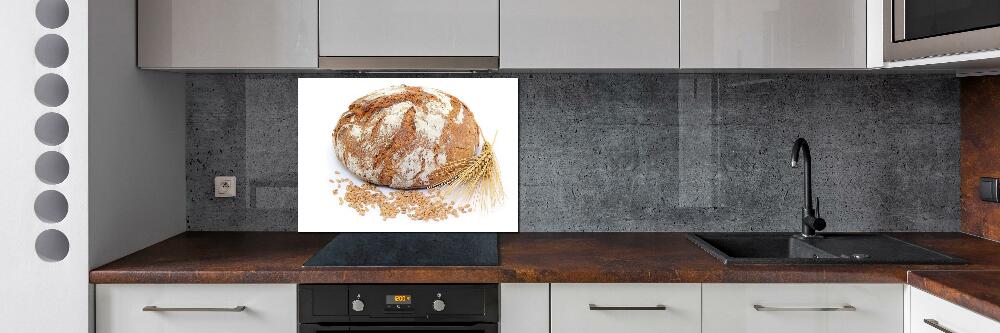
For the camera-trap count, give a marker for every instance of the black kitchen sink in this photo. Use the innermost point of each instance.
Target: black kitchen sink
(836, 248)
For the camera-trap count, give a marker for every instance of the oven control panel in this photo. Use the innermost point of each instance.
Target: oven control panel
(399, 303)
(420, 300)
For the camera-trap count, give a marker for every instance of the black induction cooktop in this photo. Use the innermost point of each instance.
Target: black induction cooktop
(408, 249)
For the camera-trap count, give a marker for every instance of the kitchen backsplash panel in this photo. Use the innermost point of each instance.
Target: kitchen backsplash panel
(638, 152)
(980, 144)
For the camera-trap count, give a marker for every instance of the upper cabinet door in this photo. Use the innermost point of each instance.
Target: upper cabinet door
(589, 34)
(407, 28)
(227, 33)
(773, 34)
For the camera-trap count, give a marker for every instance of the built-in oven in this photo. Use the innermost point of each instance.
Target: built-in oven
(386, 308)
(928, 28)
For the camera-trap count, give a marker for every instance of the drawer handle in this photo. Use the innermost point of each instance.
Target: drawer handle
(154, 308)
(935, 324)
(848, 307)
(594, 307)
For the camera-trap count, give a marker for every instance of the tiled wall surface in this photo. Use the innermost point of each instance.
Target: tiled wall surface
(640, 152)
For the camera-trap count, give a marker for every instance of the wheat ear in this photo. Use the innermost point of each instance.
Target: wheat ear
(475, 179)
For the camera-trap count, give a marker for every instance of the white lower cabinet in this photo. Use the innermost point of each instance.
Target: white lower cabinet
(625, 307)
(930, 314)
(570, 308)
(817, 308)
(196, 308)
(524, 307)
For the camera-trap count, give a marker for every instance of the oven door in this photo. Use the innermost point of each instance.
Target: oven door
(926, 28)
(473, 328)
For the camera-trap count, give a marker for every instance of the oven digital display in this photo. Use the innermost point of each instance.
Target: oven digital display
(398, 299)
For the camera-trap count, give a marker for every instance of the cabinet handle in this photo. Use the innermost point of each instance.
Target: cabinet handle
(848, 307)
(594, 307)
(935, 324)
(154, 308)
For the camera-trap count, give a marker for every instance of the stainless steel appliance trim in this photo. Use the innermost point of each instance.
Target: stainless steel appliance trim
(935, 324)
(898, 20)
(409, 63)
(660, 307)
(480, 327)
(848, 307)
(963, 42)
(154, 308)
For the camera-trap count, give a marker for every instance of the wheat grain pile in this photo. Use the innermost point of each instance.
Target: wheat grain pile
(432, 205)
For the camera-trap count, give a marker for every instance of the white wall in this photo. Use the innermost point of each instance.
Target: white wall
(38, 295)
(126, 129)
(137, 188)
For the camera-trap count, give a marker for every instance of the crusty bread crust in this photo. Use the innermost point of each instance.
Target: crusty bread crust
(398, 136)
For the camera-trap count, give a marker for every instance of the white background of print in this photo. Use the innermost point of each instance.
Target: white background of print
(493, 102)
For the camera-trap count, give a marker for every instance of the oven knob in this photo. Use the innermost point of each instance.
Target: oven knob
(438, 305)
(358, 305)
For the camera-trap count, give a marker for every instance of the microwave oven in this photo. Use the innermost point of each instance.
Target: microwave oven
(915, 29)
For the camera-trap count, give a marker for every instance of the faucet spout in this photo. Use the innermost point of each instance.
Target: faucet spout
(810, 222)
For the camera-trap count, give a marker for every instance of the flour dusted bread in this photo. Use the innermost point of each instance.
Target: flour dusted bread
(398, 136)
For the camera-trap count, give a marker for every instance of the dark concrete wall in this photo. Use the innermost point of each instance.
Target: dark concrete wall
(640, 152)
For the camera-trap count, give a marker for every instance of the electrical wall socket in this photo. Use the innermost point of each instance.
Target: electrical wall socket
(988, 189)
(225, 187)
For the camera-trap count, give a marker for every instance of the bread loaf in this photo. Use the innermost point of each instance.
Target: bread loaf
(398, 136)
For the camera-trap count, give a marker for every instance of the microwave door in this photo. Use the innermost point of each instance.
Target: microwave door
(916, 19)
(916, 29)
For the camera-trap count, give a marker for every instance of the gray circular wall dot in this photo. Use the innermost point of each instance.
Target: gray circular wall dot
(51, 90)
(52, 167)
(51, 129)
(52, 13)
(51, 206)
(51, 51)
(52, 245)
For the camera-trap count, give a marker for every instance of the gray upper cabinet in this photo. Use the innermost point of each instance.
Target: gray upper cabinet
(581, 34)
(507, 34)
(773, 34)
(227, 34)
(408, 28)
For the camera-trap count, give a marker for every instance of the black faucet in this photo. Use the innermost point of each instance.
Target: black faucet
(810, 221)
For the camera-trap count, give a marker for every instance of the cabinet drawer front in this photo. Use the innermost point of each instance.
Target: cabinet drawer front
(189, 308)
(947, 315)
(623, 307)
(405, 28)
(820, 308)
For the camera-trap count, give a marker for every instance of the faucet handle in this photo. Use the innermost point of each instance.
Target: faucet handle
(817, 206)
(818, 224)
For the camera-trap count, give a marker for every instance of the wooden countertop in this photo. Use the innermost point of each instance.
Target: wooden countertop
(978, 291)
(277, 257)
